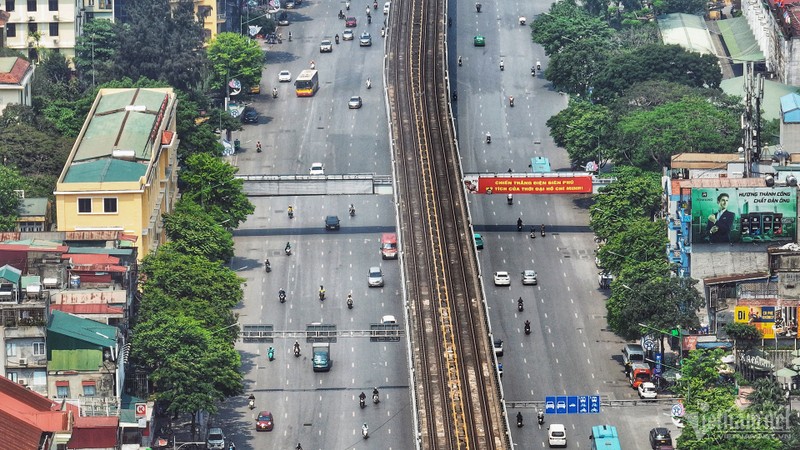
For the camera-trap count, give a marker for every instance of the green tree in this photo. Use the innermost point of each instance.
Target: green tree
(639, 240)
(210, 182)
(192, 231)
(204, 290)
(234, 56)
(655, 62)
(190, 367)
(10, 181)
(584, 130)
(573, 69)
(635, 194)
(567, 23)
(649, 139)
(680, 6)
(744, 335)
(768, 397)
(646, 95)
(96, 53)
(162, 40)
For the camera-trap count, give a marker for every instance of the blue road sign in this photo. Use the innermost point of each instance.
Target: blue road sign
(658, 364)
(561, 404)
(583, 404)
(594, 404)
(572, 404)
(550, 405)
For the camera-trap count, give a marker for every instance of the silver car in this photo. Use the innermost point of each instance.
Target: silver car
(216, 439)
(375, 277)
(529, 277)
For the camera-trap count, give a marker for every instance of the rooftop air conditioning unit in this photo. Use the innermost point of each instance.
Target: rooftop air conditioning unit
(23, 381)
(23, 361)
(55, 41)
(55, 17)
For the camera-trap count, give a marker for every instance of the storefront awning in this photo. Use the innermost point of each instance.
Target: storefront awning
(740, 40)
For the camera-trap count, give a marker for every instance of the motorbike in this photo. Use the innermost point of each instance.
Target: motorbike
(362, 400)
(533, 71)
(251, 401)
(288, 250)
(282, 296)
(519, 420)
(478, 7)
(502, 65)
(271, 354)
(368, 83)
(538, 65)
(543, 230)
(274, 93)
(336, 38)
(511, 101)
(459, 61)
(290, 36)
(520, 306)
(375, 397)
(527, 327)
(296, 350)
(341, 15)
(365, 431)
(540, 418)
(290, 211)
(488, 138)
(519, 224)
(347, 6)
(267, 266)
(510, 199)
(383, 31)
(321, 293)
(352, 211)
(369, 19)
(350, 301)
(533, 233)
(455, 96)
(258, 147)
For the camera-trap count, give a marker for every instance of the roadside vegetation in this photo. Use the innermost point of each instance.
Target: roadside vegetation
(635, 103)
(184, 327)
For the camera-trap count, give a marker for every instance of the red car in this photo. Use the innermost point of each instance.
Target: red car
(350, 22)
(264, 421)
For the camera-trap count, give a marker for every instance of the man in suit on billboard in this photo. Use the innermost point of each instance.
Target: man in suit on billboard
(720, 223)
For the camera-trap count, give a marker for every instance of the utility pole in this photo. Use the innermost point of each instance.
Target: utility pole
(750, 119)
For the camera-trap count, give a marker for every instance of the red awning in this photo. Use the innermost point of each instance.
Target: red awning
(88, 383)
(62, 383)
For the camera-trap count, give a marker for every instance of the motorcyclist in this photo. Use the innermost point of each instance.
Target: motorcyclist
(540, 417)
(533, 71)
(347, 6)
(533, 232)
(365, 430)
(296, 348)
(251, 401)
(375, 4)
(336, 38)
(290, 211)
(375, 396)
(459, 61)
(519, 224)
(527, 327)
(519, 418)
(383, 31)
(511, 100)
(352, 210)
(488, 138)
(274, 92)
(271, 353)
(290, 36)
(341, 14)
(281, 293)
(288, 249)
(520, 304)
(267, 265)
(538, 65)
(510, 199)
(232, 446)
(349, 300)
(362, 399)
(258, 146)
(542, 229)
(502, 64)
(321, 292)
(369, 83)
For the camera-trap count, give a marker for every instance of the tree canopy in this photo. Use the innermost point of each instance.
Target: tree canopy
(566, 23)
(234, 56)
(210, 182)
(635, 194)
(584, 129)
(193, 232)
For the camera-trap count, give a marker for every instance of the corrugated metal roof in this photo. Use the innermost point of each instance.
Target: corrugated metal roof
(688, 31)
(703, 160)
(733, 278)
(11, 274)
(790, 108)
(722, 182)
(82, 329)
(101, 251)
(30, 280)
(773, 91)
(87, 309)
(105, 170)
(29, 207)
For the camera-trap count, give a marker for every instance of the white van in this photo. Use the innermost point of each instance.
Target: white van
(632, 353)
(556, 435)
(386, 8)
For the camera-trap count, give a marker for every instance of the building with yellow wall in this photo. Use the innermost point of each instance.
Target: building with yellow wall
(122, 172)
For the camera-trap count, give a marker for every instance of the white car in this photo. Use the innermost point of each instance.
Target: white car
(529, 277)
(386, 320)
(502, 279)
(284, 75)
(317, 169)
(347, 35)
(386, 8)
(375, 278)
(647, 390)
(556, 435)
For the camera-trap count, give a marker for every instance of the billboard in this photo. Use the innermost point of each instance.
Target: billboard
(528, 185)
(762, 317)
(743, 215)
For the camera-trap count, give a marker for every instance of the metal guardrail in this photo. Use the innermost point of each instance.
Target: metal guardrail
(604, 401)
(337, 177)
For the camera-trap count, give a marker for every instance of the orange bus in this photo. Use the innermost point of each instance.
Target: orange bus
(307, 83)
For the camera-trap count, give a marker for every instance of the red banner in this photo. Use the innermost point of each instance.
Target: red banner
(535, 185)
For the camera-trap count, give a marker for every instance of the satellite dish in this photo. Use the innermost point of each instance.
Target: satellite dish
(791, 180)
(769, 180)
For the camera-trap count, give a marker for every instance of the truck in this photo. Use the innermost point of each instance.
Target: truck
(321, 356)
(639, 373)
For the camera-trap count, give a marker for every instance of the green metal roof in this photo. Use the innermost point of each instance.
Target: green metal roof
(687, 30)
(10, 274)
(740, 40)
(99, 251)
(123, 119)
(105, 170)
(773, 91)
(82, 329)
(30, 280)
(30, 207)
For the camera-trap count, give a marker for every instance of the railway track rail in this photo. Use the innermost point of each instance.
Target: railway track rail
(457, 394)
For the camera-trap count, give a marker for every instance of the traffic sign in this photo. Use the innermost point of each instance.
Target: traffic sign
(572, 404)
(561, 404)
(550, 405)
(594, 404)
(649, 345)
(141, 409)
(583, 404)
(677, 410)
(657, 370)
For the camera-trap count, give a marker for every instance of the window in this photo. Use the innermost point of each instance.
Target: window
(31, 5)
(13, 376)
(52, 5)
(89, 390)
(53, 28)
(11, 30)
(38, 348)
(11, 349)
(33, 27)
(62, 391)
(109, 205)
(9, 6)
(84, 206)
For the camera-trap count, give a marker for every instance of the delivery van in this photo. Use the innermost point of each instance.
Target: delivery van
(389, 246)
